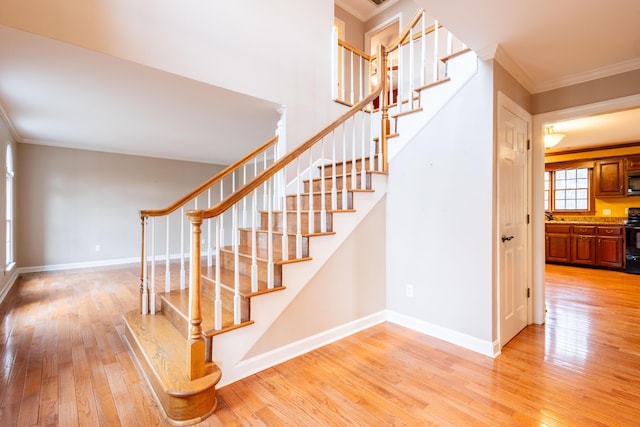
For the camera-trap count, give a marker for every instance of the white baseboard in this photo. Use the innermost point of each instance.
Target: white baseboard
(78, 265)
(487, 348)
(267, 360)
(9, 284)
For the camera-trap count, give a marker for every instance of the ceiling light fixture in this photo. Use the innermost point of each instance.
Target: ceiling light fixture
(551, 138)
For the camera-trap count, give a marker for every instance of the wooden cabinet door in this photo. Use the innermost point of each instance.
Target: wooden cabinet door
(583, 250)
(633, 163)
(610, 252)
(609, 180)
(558, 247)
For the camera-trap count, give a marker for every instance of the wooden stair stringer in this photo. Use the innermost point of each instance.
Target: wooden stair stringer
(230, 349)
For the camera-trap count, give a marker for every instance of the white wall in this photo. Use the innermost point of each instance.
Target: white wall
(439, 218)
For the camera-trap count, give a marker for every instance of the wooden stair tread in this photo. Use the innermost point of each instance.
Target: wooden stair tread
(429, 85)
(262, 254)
(179, 299)
(164, 351)
(304, 234)
(455, 54)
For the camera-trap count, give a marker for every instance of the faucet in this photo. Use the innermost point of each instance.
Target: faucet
(549, 216)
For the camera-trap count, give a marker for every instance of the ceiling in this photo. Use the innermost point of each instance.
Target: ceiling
(56, 94)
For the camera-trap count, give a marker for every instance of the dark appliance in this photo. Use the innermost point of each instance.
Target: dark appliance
(633, 183)
(633, 241)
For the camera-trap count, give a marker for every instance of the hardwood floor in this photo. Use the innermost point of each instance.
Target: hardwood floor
(63, 362)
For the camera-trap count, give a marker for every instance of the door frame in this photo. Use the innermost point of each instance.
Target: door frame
(505, 102)
(537, 172)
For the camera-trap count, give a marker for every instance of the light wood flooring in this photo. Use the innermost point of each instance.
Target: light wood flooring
(63, 362)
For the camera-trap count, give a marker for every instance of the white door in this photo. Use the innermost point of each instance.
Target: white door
(514, 124)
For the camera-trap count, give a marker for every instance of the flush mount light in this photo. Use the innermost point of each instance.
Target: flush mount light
(551, 138)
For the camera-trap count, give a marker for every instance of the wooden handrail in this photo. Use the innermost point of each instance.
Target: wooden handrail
(267, 173)
(355, 50)
(404, 34)
(218, 177)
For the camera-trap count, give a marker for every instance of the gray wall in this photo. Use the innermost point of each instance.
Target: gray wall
(69, 201)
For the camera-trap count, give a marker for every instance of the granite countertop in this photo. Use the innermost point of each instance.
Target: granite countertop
(609, 220)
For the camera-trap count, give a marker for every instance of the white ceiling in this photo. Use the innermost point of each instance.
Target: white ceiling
(56, 94)
(61, 95)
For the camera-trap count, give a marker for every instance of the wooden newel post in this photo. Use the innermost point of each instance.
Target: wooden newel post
(195, 343)
(385, 123)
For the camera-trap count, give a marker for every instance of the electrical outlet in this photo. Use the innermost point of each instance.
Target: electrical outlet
(606, 212)
(409, 291)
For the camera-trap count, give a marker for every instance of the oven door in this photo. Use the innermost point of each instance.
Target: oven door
(633, 239)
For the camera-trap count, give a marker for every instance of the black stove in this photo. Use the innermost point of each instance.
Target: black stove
(633, 241)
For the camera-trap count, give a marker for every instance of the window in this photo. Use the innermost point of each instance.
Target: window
(9, 260)
(568, 190)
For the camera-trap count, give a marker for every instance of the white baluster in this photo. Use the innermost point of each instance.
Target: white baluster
(344, 166)
(361, 77)
(323, 208)
(351, 97)
(334, 190)
(298, 214)
(254, 244)
(145, 283)
(244, 201)
(209, 227)
(449, 43)
(411, 70)
(334, 65)
(236, 266)
(400, 78)
(390, 88)
(423, 44)
(363, 169)
(183, 273)
(270, 272)
(435, 51)
(152, 290)
(167, 271)
(264, 166)
(285, 222)
(342, 89)
(310, 214)
(354, 168)
(218, 298)
(221, 216)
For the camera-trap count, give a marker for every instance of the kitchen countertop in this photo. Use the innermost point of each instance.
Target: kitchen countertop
(595, 220)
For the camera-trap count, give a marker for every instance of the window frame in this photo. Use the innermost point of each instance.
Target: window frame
(552, 168)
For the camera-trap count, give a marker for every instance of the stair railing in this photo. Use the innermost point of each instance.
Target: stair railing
(356, 138)
(165, 237)
(351, 72)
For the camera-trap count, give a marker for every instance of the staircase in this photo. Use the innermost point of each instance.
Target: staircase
(262, 214)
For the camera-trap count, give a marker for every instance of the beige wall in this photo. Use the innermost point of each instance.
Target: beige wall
(353, 27)
(505, 83)
(604, 89)
(70, 200)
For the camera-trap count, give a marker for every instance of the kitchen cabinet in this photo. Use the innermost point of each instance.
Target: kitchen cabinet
(609, 180)
(583, 245)
(610, 246)
(558, 242)
(633, 163)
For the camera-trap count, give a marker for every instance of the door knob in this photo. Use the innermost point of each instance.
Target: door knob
(506, 239)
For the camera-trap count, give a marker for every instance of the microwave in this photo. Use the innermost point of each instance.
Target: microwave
(633, 183)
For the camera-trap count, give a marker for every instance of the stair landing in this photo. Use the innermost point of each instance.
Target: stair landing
(161, 353)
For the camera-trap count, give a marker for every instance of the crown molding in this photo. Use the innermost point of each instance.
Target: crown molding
(597, 73)
(498, 54)
(7, 121)
(373, 8)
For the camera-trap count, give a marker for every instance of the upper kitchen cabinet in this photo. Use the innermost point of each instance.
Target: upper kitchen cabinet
(609, 178)
(633, 163)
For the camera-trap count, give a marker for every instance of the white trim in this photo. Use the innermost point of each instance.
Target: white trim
(7, 121)
(486, 348)
(380, 27)
(9, 284)
(512, 67)
(78, 265)
(598, 73)
(282, 354)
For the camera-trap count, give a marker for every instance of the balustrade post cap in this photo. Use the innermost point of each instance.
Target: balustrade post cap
(195, 215)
